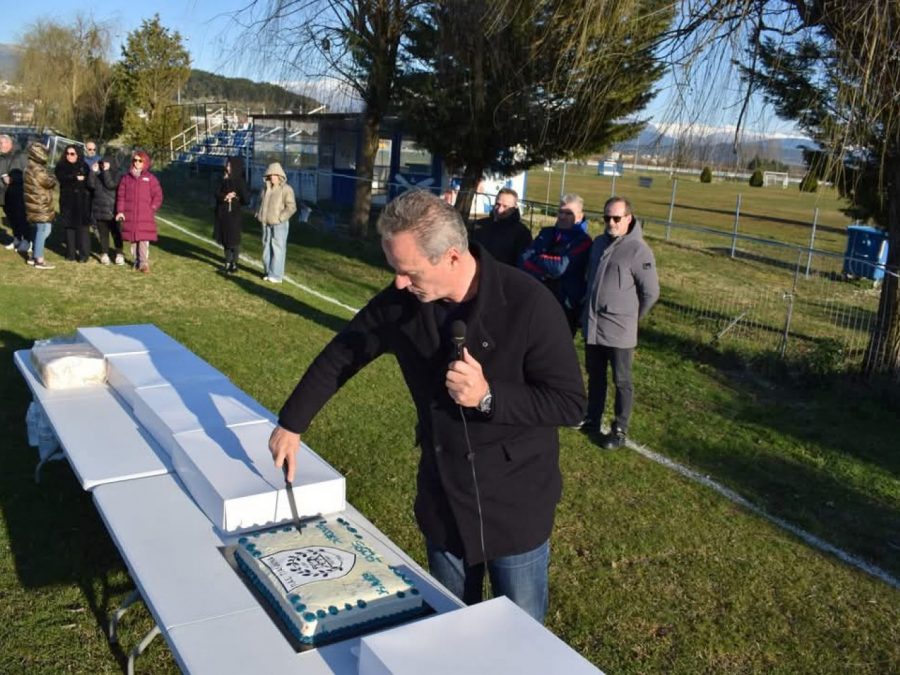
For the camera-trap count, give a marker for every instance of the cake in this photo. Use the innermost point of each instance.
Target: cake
(326, 582)
(66, 365)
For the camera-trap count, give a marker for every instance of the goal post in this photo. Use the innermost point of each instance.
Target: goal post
(777, 178)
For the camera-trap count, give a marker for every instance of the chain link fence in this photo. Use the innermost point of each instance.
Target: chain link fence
(772, 302)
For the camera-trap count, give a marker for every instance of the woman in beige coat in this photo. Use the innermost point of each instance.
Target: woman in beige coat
(275, 210)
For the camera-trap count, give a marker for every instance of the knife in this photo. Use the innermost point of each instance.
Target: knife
(289, 488)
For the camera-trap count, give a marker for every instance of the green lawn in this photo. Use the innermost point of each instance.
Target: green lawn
(650, 572)
(772, 212)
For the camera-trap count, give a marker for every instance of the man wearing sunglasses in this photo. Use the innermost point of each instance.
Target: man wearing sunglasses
(622, 287)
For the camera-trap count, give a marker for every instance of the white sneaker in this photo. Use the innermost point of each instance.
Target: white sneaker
(104, 259)
(120, 259)
(273, 280)
(30, 261)
(24, 246)
(44, 266)
(13, 244)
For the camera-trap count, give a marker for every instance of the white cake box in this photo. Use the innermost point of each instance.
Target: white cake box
(175, 409)
(131, 339)
(491, 638)
(128, 372)
(230, 474)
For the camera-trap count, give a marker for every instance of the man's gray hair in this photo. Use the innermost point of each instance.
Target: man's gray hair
(572, 198)
(7, 137)
(508, 191)
(435, 224)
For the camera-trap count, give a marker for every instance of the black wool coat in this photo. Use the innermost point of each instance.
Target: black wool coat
(505, 239)
(228, 221)
(74, 196)
(517, 331)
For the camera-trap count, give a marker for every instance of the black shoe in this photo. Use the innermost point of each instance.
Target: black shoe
(614, 440)
(232, 268)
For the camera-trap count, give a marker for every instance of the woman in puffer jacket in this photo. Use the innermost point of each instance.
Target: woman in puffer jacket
(38, 187)
(276, 207)
(138, 198)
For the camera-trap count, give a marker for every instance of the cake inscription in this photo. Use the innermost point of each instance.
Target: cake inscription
(300, 566)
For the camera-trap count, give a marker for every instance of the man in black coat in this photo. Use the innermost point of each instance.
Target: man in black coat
(504, 235)
(489, 478)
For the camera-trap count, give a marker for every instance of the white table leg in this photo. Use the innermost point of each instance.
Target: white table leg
(132, 598)
(142, 645)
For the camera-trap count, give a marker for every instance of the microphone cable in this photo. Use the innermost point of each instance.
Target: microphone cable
(470, 455)
(458, 330)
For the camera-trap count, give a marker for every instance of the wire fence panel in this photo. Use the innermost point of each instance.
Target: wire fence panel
(783, 303)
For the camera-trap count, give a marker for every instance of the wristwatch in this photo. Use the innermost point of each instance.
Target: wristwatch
(485, 405)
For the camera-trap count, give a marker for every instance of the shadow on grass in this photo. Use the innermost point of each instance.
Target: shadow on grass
(192, 195)
(55, 535)
(853, 425)
(248, 279)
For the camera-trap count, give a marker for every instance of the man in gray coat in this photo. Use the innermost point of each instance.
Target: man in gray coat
(622, 287)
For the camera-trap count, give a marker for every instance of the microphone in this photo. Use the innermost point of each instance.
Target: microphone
(458, 330)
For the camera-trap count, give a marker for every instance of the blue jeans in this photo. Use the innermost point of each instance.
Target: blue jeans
(41, 232)
(522, 577)
(274, 241)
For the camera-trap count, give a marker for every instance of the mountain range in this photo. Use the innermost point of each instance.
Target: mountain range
(714, 146)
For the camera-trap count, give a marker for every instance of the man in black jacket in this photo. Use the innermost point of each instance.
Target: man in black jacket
(504, 235)
(489, 478)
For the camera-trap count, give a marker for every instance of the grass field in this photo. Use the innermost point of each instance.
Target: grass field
(782, 214)
(649, 573)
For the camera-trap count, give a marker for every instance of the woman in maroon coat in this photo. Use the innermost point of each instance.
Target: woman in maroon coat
(137, 200)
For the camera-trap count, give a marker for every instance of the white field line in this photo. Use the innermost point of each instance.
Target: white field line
(810, 539)
(258, 265)
(690, 474)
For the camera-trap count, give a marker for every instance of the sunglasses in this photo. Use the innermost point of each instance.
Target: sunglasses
(138, 160)
(71, 154)
(91, 149)
(614, 219)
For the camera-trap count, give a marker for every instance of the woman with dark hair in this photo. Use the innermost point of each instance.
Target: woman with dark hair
(137, 200)
(74, 203)
(231, 196)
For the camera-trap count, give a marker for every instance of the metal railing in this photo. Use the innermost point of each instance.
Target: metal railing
(769, 302)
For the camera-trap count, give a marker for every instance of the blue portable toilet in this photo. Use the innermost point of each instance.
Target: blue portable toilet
(867, 252)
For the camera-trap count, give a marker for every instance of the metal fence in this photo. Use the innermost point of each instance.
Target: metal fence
(771, 302)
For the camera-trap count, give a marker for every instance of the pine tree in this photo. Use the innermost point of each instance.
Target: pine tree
(502, 86)
(154, 66)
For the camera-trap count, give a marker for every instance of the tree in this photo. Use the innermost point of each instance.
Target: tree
(63, 71)
(706, 175)
(766, 164)
(355, 41)
(154, 66)
(809, 183)
(831, 65)
(756, 178)
(501, 86)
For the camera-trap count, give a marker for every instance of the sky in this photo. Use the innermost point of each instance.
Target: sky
(216, 44)
(209, 33)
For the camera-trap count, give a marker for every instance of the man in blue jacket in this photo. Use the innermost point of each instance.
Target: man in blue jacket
(489, 478)
(558, 257)
(622, 287)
